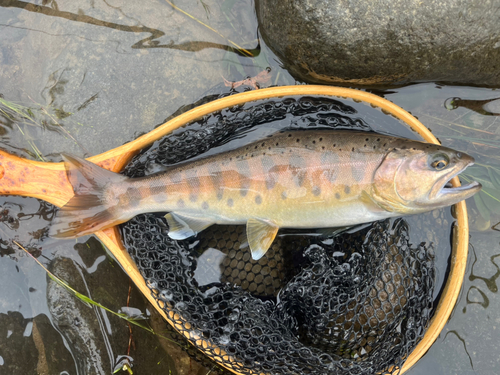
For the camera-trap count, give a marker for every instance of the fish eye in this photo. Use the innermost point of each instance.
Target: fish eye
(439, 162)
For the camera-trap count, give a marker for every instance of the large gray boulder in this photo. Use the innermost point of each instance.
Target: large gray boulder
(385, 41)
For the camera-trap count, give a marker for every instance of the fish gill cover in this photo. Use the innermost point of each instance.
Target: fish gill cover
(358, 303)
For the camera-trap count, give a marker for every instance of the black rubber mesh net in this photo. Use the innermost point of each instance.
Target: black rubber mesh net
(355, 303)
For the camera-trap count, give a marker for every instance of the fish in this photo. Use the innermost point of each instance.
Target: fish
(301, 179)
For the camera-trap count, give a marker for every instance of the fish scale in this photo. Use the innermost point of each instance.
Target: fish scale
(280, 173)
(291, 179)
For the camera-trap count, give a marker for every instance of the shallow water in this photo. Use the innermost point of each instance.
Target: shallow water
(109, 71)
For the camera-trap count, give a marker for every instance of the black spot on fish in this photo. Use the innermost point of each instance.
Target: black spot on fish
(316, 190)
(180, 203)
(204, 205)
(337, 195)
(230, 202)
(347, 190)
(258, 199)
(283, 195)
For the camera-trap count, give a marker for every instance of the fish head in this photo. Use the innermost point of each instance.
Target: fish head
(416, 178)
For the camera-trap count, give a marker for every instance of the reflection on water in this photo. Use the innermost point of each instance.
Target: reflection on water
(479, 106)
(107, 73)
(150, 42)
(491, 281)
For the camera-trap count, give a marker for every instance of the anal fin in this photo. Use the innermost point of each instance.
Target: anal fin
(184, 226)
(260, 234)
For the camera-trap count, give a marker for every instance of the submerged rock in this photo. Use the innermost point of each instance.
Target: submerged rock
(352, 42)
(78, 323)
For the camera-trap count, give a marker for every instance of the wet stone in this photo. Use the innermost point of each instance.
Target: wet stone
(300, 34)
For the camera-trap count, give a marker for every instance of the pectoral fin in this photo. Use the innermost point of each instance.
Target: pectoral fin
(183, 226)
(260, 236)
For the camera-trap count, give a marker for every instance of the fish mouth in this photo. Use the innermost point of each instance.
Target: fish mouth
(446, 191)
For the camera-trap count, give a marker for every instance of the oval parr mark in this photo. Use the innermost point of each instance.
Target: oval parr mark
(284, 195)
(347, 190)
(358, 167)
(157, 193)
(258, 199)
(337, 195)
(244, 174)
(204, 205)
(193, 180)
(330, 162)
(230, 202)
(216, 178)
(268, 165)
(316, 190)
(175, 178)
(180, 203)
(270, 181)
(297, 166)
(134, 196)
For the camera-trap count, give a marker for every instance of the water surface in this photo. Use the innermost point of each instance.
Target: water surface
(97, 74)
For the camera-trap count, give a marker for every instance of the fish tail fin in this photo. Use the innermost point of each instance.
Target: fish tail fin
(90, 209)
